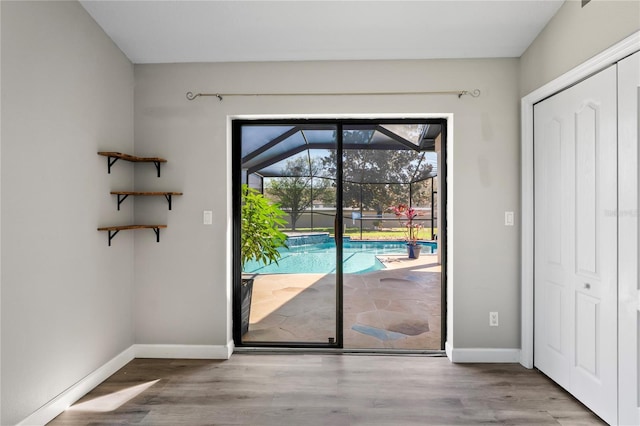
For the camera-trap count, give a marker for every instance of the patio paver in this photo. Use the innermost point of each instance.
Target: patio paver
(394, 308)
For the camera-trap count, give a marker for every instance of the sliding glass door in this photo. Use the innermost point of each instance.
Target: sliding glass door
(336, 234)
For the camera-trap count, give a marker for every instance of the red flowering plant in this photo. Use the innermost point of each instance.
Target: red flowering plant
(407, 215)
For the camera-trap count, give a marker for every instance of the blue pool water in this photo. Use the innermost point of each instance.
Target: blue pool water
(359, 257)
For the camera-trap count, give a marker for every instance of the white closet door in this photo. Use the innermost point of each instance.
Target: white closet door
(575, 156)
(629, 287)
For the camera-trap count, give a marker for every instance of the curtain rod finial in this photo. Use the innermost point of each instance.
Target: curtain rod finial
(191, 96)
(473, 93)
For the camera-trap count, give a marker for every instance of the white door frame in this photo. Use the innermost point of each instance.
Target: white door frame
(610, 56)
(449, 117)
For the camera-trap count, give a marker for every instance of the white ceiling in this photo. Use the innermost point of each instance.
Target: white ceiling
(152, 31)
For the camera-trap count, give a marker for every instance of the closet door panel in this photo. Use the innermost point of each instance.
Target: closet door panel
(586, 179)
(595, 278)
(629, 285)
(553, 163)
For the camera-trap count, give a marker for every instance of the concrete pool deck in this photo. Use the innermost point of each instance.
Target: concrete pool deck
(394, 308)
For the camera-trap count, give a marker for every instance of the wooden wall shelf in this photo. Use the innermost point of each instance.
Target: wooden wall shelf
(113, 230)
(112, 157)
(122, 195)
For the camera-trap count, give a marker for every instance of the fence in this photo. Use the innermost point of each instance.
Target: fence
(355, 220)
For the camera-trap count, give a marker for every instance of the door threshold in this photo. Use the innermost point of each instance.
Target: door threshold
(337, 351)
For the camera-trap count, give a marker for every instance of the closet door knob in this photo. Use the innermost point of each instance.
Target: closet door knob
(587, 286)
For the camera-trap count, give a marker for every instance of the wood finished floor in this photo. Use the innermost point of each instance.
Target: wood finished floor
(320, 389)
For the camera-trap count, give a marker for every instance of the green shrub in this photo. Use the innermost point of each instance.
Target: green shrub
(261, 223)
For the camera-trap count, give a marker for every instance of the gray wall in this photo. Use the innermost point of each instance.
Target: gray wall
(574, 35)
(183, 283)
(67, 92)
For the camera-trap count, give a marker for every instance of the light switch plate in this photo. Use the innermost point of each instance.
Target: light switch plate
(493, 319)
(508, 218)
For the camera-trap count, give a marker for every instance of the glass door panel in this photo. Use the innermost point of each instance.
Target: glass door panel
(391, 299)
(289, 298)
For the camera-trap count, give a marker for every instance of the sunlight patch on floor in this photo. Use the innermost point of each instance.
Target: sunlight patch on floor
(112, 401)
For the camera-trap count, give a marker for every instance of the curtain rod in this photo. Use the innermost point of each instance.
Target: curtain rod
(459, 93)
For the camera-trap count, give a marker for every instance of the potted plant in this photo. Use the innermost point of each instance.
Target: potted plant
(260, 239)
(407, 215)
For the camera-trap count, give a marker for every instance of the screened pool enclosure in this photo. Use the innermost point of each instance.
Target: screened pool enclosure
(384, 165)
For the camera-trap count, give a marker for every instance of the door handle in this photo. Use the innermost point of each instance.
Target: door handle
(335, 228)
(587, 286)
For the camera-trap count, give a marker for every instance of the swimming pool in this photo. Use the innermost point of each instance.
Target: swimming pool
(320, 258)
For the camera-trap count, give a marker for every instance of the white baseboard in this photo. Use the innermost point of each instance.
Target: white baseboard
(184, 351)
(53, 408)
(448, 349)
(56, 406)
(482, 355)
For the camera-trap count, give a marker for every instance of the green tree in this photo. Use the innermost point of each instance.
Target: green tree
(299, 185)
(386, 173)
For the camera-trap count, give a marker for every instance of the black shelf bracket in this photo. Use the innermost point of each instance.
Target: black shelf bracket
(168, 197)
(121, 198)
(110, 162)
(111, 235)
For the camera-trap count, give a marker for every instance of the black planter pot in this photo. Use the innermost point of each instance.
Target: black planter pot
(246, 290)
(413, 250)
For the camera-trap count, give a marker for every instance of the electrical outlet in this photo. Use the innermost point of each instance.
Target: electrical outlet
(493, 319)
